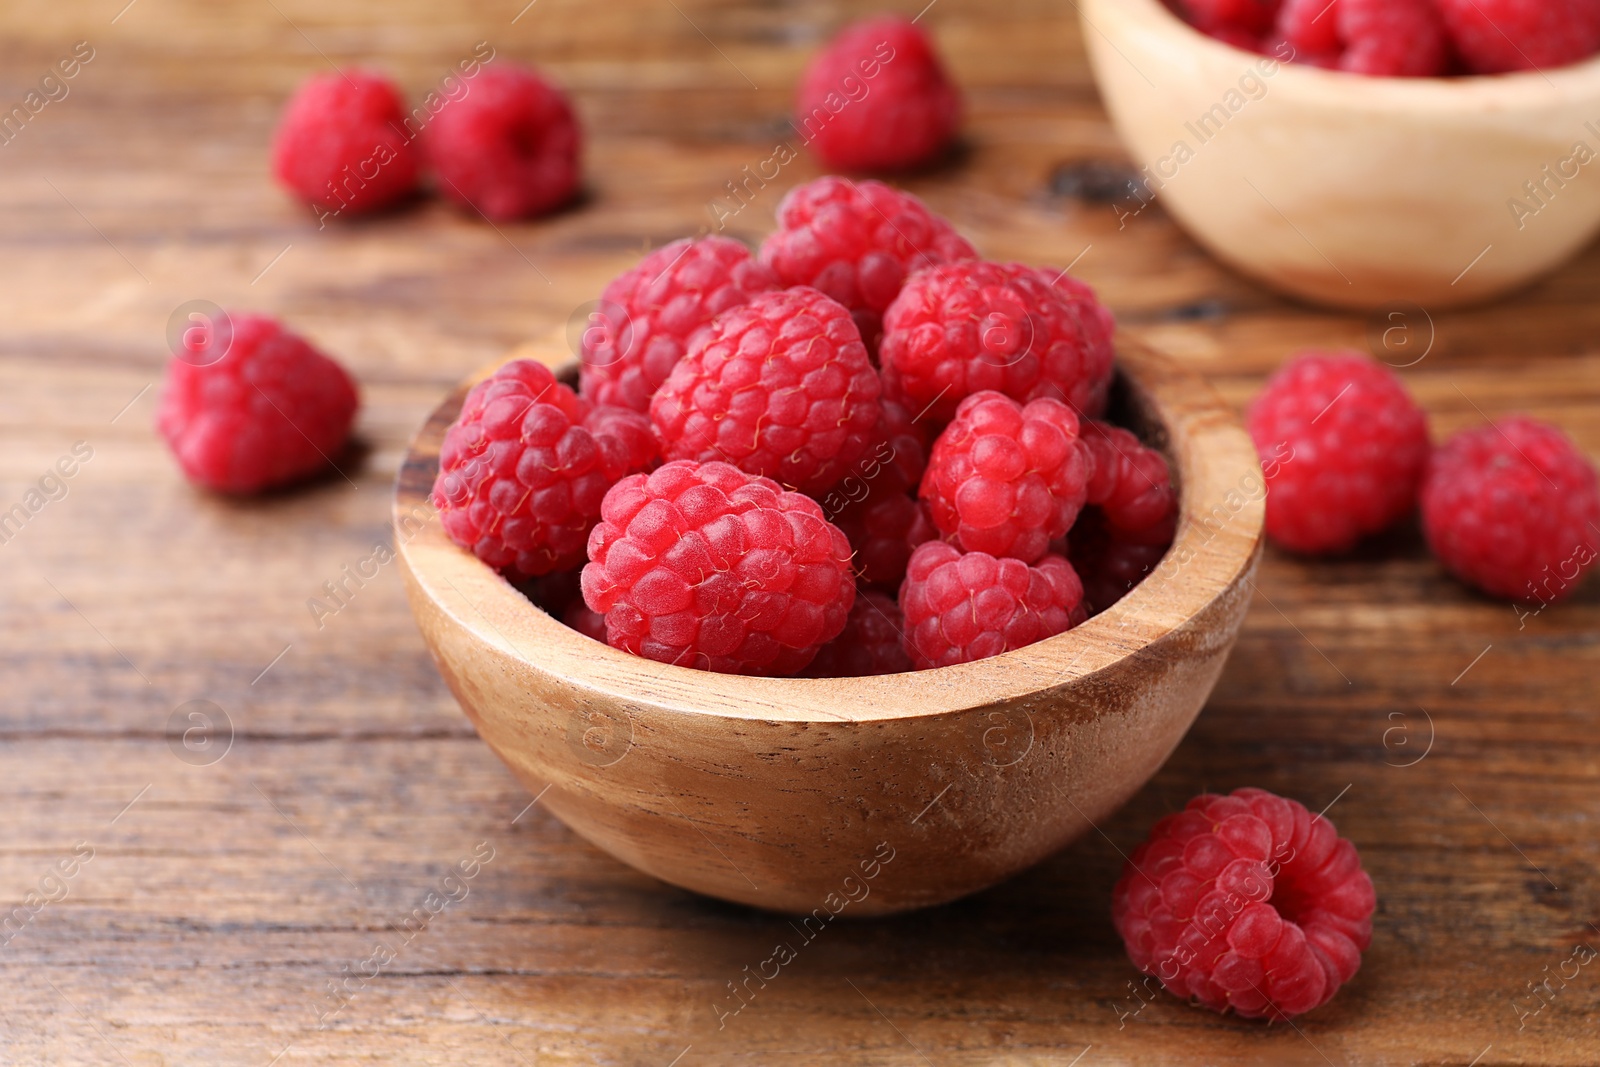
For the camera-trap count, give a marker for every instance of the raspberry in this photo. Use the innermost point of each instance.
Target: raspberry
(342, 144)
(961, 328)
(1109, 564)
(870, 644)
(703, 565)
(873, 505)
(1342, 445)
(1513, 509)
(858, 242)
(960, 607)
(1131, 518)
(1494, 36)
(779, 386)
(877, 98)
(251, 406)
(1239, 15)
(1392, 38)
(1007, 479)
(509, 148)
(1246, 902)
(523, 469)
(1311, 27)
(586, 621)
(648, 314)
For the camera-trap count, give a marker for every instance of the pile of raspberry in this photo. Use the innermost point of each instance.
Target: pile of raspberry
(861, 450)
(1406, 38)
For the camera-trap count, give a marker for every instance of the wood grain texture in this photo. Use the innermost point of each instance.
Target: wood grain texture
(218, 907)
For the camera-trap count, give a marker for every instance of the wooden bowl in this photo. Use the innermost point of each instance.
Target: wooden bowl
(1347, 190)
(881, 793)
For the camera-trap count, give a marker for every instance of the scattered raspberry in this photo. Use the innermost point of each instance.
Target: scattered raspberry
(1246, 902)
(1513, 509)
(1392, 38)
(858, 242)
(870, 643)
(523, 469)
(1494, 36)
(509, 148)
(873, 503)
(703, 565)
(342, 144)
(1246, 15)
(960, 607)
(1342, 445)
(877, 98)
(249, 406)
(1109, 563)
(779, 386)
(648, 314)
(1007, 479)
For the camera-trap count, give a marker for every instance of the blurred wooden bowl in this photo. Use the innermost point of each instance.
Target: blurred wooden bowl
(872, 794)
(1347, 190)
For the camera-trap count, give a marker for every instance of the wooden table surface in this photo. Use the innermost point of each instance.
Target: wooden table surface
(197, 910)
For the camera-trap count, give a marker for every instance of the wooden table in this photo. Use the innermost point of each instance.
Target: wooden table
(212, 902)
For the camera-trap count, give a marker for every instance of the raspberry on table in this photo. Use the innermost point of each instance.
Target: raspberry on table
(960, 607)
(858, 242)
(1392, 38)
(648, 314)
(342, 144)
(1342, 445)
(870, 643)
(509, 148)
(1514, 509)
(250, 406)
(779, 386)
(706, 566)
(523, 469)
(1496, 36)
(877, 98)
(1246, 902)
(1005, 478)
(873, 504)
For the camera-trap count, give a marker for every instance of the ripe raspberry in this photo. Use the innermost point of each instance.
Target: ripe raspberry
(870, 643)
(249, 406)
(877, 98)
(1131, 518)
(586, 621)
(1342, 445)
(1494, 36)
(508, 148)
(703, 565)
(1246, 902)
(960, 607)
(342, 144)
(858, 242)
(1007, 479)
(1311, 27)
(523, 469)
(961, 328)
(779, 386)
(1513, 509)
(1247, 15)
(873, 504)
(1392, 38)
(648, 314)
(1109, 563)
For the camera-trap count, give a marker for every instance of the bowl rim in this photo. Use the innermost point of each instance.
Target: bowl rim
(1216, 469)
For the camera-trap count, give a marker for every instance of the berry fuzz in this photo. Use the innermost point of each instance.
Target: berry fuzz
(342, 144)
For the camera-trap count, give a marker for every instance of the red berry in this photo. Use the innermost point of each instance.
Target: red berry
(1311, 27)
(858, 242)
(1247, 15)
(1513, 509)
(870, 643)
(779, 386)
(873, 503)
(649, 313)
(877, 98)
(342, 144)
(1246, 902)
(585, 620)
(1342, 445)
(960, 607)
(1007, 479)
(523, 469)
(1108, 562)
(249, 406)
(1130, 483)
(1494, 36)
(509, 147)
(703, 565)
(1392, 38)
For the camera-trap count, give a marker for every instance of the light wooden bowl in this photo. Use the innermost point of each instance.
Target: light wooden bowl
(1347, 190)
(882, 793)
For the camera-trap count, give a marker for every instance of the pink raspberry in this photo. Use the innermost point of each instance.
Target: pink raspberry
(1342, 445)
(249, 406)
(1131, 518)
(870, 643)
(1513, 509)
(1494, 36)
(1392, 38)
(960, 607)
(649, 313)
(873, 504)
(1007, 479)
(524, 467)
(858, 242)
(1246, 902)
(508, 148)
(342, 144)
(703, 565)
(779, 386)
(1311, 27)
(1253, 16)
(1109, 563)
(877, 98)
